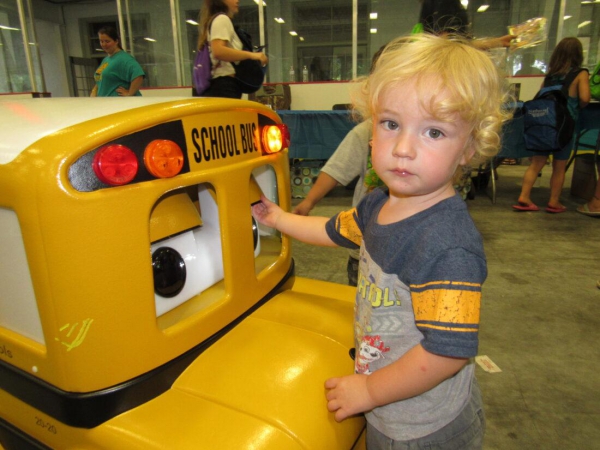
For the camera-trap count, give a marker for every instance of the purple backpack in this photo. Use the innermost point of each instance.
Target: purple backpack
(202, 70)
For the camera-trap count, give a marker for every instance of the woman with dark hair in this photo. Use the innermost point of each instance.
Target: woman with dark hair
(449, 17)
(566, 58)
(119, 74)
(216, 30)
(444, 16)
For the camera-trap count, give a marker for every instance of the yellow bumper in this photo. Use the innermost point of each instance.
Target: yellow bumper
(260, 386)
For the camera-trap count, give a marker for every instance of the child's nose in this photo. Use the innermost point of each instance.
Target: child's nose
(404, 146)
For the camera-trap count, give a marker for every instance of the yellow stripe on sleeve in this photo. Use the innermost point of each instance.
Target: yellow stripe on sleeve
(346, 226)
(446, 306)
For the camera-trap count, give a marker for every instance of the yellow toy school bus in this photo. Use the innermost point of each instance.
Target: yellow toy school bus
(141, 306)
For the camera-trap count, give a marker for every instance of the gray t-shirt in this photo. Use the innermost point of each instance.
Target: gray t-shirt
(419, 282)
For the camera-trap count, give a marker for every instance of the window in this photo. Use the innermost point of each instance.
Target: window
(331, 38)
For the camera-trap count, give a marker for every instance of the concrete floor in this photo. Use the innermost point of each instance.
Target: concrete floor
(540, 319)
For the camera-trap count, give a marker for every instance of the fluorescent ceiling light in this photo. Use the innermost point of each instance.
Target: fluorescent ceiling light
(301, 38)
(373, 30)
(149, 39)
(293, 33)
(465, 3)
(584, 24)
(567, 17)
(192, 22)
(373, 16)
(3, 27)
(263, 3)
(483, 8)
(279, 20)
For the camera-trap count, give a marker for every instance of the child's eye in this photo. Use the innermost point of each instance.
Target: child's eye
(389, 125)
(434, 133)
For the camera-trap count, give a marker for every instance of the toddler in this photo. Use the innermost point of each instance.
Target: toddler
(435, 104)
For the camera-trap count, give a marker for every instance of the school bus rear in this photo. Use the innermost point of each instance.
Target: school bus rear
(141, 306)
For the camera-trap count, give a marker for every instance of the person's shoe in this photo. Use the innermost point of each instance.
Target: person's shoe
(556, 210)
(585, 209)
(525, 207)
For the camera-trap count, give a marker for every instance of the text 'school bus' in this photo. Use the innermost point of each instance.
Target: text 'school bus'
(141, 306)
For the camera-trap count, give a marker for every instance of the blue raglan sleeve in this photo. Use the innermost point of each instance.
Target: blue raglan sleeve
(446, 297)
(344, 229)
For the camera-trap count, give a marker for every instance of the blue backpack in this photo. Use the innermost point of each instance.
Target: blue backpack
(548, 123)
(202, 70)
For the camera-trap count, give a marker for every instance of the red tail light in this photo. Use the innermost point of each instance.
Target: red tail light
(115, 164)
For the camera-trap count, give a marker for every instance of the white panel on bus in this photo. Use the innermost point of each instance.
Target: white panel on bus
(201, 250)
(18, 307)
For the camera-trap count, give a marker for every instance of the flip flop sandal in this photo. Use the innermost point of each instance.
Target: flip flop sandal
(553, 210)
(525, 207)
(585, 210)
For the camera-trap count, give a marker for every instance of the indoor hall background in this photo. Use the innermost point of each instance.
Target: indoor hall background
(162, 36)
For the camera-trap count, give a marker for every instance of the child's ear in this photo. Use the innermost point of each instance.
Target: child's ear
(467, 155)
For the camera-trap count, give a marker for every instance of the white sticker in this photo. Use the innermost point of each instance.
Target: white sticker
(487, 364)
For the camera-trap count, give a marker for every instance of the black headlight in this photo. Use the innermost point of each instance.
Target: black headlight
(169, 272)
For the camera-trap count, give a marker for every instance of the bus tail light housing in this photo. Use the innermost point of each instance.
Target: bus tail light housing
(115, 164)
(163, 158)
(275, 138)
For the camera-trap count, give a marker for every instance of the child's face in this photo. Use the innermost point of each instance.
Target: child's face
(413, 153)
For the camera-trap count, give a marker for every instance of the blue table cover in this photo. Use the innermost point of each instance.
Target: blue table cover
(316, 134)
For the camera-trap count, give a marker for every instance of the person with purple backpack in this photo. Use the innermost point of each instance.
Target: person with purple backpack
(217, 31)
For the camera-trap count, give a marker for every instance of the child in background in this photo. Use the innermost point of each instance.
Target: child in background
(566, 58)
(435, 103)
(351, 159)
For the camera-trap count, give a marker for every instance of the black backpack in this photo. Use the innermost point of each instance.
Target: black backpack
(547, 120)
(249, 72)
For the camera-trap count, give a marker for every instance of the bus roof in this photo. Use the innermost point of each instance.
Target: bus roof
(26, 121)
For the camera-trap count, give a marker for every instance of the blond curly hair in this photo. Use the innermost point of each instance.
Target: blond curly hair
(471, 85)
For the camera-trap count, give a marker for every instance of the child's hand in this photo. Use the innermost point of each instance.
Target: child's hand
(348, 396)
(266, 212)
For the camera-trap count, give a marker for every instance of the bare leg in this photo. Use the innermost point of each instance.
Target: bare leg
(592, 207)
(531, 174)
(594, 203)
(557, 180)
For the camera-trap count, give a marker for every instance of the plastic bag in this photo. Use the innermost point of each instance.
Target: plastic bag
(529, 33)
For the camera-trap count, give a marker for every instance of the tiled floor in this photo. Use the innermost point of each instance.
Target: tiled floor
(540, 315)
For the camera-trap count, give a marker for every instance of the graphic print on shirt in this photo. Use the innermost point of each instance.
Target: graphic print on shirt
(371, 179)
(98, 74)
(383, 311)
(371, 349)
